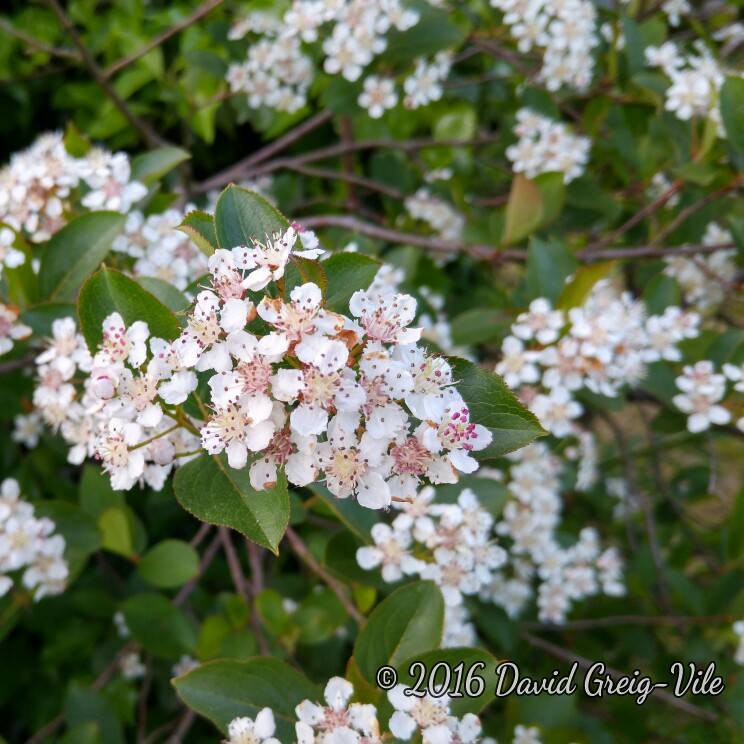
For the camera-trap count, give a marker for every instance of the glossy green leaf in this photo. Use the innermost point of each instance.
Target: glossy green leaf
(169, 563)
(75, 252)
(549, 264)
(302, 270)
(158, 625)
(494, 406)
(406, 624)
(346, 273)
(732, 112)
(223, 690)
(241, 215)
(524, 210)
(172, 297)
(109, 291)
(580, 285)
(152, 166)
(212, 491)
(199, 226)
(116, 531)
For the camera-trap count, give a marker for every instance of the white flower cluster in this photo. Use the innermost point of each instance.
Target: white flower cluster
(278, 73)
(454, 544)
(602, 345)
(159, 249)
(566, 31)
(29, 543)
(441, 216)
(124, 415)
(10, 328)
(39, 186)
(702, 390)
(337, 721)
(531, 520)
(323, 393)
(696, 80)
(547, 146)
(704, 278)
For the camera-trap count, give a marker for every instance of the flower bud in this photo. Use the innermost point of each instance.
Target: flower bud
(162, 451)
(103, 383)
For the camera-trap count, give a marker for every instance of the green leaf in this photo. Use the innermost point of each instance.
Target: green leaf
(172, 297)
(76, 143)
(660, 293)
(169, 563)
(478, 326)
(158, 625)
(152, 166)
(406, 624)
(74, 252)
(223, 690)
(85, 706)
(199, 226)
(41, 317)
(117, 533)
(433, 33)
(732, 112)
(494, 406)
(459, 123)
(302, 270)
(109, 291)
(735, 528)
(347, 273)
(579, 287)
(524, 210)
(82, 536)
(241, 215)
(212, 491)
(549, 264)
(553, 196)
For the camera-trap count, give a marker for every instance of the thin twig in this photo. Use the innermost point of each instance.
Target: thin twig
(184, 724)
(146, 132)
(197, 15)
(241, 586)
(303, 553)
(561, 653)
(37, 44)
(348, 177)
(209, 554)
(486, 252)
(649, 251)
(604, 622)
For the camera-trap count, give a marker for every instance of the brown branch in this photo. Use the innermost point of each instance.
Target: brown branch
(649, 251)
(241, 586)
(182, 727)
(145, 131)
(688, 211)
(303, 553)
(348, 177)
(209, 554)
(561, 653)
(486, 252)
(244, 167)
(197, 15)
(37, 44)
(604, 622)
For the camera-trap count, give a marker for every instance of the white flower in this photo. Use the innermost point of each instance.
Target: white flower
(378, 96)
(428, 714)
(391, 551)
(247, 731)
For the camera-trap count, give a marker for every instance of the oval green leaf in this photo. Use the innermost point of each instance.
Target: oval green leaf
(169, 563)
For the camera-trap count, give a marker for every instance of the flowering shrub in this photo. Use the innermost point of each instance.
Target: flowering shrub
(475, 398)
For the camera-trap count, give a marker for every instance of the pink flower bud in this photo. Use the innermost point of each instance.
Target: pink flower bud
(103, 383)
(162, 451)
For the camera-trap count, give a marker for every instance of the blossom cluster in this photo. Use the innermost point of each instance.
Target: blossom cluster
(702, 390)
(278, 72)
(41, 184)
(565, 31)
(603, 345)
(696, 80)
(441, 216)
(338, 721)
(705, 279)
(547, 146)
(323, 394)
(123, 413)
(29, 543)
